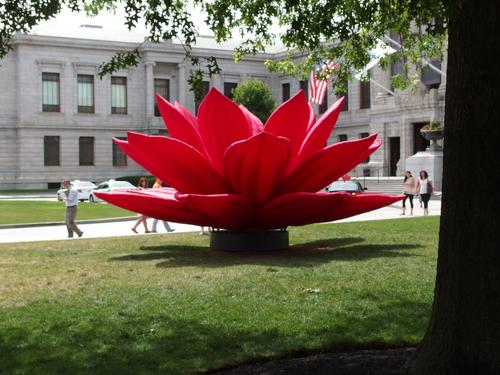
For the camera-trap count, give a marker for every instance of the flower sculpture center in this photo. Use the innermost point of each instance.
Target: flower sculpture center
(229, 171)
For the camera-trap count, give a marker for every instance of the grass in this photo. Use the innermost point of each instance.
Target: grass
(21, 212)
(166, 304)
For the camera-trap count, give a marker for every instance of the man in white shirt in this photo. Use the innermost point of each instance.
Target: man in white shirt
(71, 207)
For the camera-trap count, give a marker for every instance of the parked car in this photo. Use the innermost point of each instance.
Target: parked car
(82, 187)
(110, 186)
(351, 186)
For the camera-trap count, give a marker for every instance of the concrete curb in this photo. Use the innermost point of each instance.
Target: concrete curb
(94, 221)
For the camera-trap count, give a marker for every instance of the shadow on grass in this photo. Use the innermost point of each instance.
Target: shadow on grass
(83, 340)
(299, 255)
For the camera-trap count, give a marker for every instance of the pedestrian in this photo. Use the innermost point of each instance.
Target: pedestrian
(408, 191)
(71, 198)
(158, 184)
(425, 189)
(143, 184)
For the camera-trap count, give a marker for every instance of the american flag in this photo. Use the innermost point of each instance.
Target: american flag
(317, 87)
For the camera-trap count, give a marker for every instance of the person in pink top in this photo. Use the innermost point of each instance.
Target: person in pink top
(143, 184)
(409, 191)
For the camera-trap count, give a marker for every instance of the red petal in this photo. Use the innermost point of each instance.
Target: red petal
(255, 166)
(179, 126)
(221, 123)
(327, 165)
(373, 147)
(253, 120)
(188, 115)
(308, 208)
(290, 120)
(318, 134)
(178, 164)
(154, 204)
(131, 152)
(312, 116)
(227, 211)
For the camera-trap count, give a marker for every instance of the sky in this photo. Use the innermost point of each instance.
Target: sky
(110, 26)
(105, 26)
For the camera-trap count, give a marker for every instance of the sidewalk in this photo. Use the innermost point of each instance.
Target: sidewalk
(94, 230)
(123, 228)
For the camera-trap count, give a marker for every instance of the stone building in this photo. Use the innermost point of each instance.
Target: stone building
(57, 117)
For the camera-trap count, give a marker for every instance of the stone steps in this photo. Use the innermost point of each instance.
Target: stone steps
(386, 185)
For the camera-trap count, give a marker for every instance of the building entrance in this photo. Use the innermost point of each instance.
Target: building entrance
(419, 142)
(394, 155)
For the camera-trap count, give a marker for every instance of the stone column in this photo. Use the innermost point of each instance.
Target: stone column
(182, 87)
(218, 82)
(150, 90)
(295, 87)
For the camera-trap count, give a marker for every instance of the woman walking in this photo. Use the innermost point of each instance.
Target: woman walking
(408, 191)
(425, 189)
(157, 185)
(143, 184)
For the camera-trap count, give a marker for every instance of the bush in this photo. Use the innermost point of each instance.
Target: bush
(134, 180)
(257, 97)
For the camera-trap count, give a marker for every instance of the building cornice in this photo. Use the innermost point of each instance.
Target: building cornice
(114, 46)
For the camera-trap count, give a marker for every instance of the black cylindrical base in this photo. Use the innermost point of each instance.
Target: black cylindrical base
(249, 240)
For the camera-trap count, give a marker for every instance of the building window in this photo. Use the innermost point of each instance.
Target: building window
(304, 86)
(119, 95)
(345, 94)
(228, 89)
(85, 93)
(50, 92)
(86, 150)
(430, 77)
(364, 94)
(364, 135)
(162, 87)
(205, 88)
(119, 157)
(324, 106)
(285, 92)
(51, 150)
(342, 137)
(397, 67)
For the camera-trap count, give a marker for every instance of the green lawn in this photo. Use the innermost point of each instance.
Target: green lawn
(166, 304)
(17, 212)
(28, 191)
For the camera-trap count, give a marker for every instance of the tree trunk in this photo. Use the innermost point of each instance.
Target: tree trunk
(463, 336)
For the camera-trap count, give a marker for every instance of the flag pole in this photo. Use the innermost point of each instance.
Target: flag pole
(383, 87)
(425, 61)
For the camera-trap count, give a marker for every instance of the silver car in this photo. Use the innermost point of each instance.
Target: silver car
(110, 186)
(83, 189)
(353, 187)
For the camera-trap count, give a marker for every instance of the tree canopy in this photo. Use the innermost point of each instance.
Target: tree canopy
(257, 97)
(310, 31)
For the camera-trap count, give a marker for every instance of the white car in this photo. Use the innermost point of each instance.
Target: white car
(82, 187)
(110, 186)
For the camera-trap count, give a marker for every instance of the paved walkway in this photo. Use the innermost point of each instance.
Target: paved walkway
(122, 228)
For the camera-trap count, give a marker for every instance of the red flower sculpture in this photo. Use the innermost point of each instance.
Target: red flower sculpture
(229, 171)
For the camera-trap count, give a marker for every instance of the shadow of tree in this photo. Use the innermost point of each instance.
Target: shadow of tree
(308, 254)
(83, 342)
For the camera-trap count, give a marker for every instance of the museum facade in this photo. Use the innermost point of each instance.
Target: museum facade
(57, 117)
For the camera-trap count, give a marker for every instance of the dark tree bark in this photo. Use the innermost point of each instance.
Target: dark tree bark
(463, 336)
